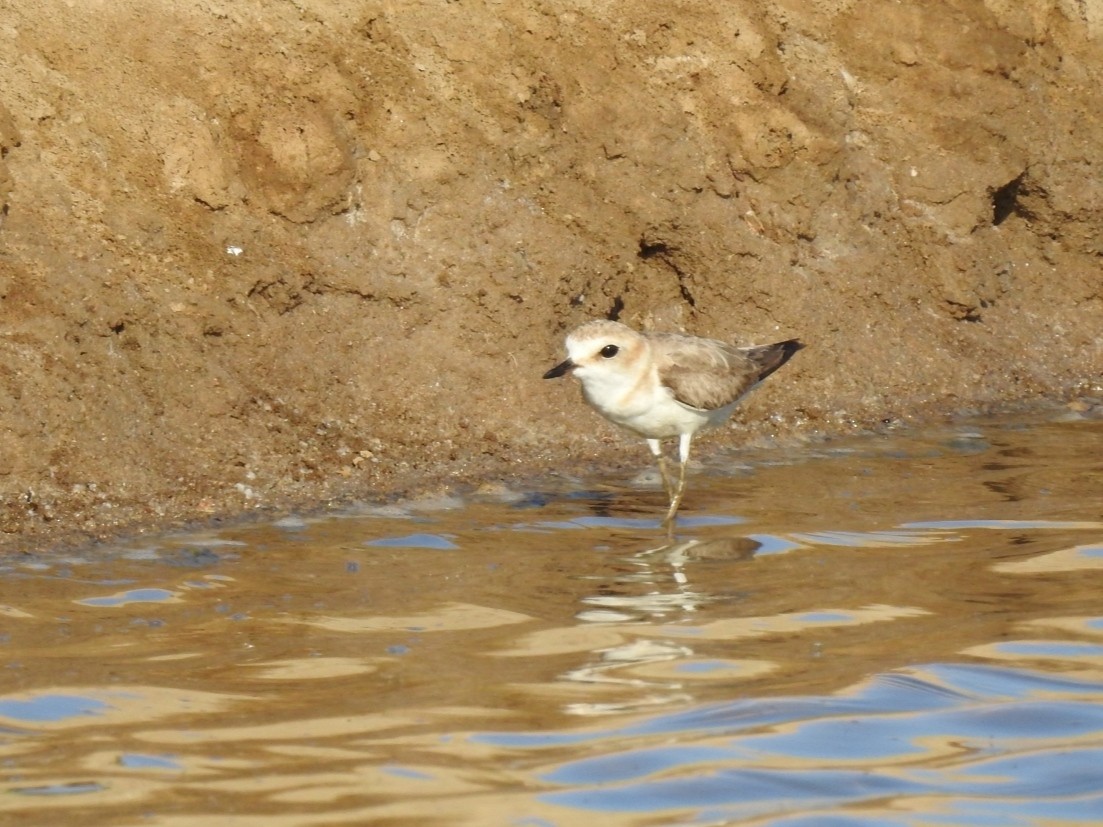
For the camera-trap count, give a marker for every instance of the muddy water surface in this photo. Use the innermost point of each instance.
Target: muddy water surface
(904, 629)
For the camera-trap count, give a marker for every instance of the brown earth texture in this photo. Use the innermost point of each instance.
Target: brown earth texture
(258, 254)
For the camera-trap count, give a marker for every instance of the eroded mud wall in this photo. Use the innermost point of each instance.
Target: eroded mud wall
(258, 251)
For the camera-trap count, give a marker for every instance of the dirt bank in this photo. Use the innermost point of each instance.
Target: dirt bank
(254, 253)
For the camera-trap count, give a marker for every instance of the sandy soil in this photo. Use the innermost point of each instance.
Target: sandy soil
(257, 253)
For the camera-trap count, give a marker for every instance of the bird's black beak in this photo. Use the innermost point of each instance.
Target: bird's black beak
(566, 366)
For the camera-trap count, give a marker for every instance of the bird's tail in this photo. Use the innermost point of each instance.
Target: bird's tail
(769, 358)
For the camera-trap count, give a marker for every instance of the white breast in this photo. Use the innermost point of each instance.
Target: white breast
(649, 409)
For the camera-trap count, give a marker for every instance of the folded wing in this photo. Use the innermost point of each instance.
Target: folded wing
(707, 374)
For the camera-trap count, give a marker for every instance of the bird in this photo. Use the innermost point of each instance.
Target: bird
(665, 385)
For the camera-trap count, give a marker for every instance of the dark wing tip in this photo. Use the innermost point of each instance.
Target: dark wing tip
(772, 357)
(791, 346)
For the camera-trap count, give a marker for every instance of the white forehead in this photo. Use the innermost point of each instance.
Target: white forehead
(593, 336)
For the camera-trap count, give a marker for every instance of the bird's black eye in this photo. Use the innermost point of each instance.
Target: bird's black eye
(609, 351)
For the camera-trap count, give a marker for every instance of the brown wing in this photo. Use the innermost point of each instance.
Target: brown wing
(707, 374)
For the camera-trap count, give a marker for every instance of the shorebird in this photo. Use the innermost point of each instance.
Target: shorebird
(665, 385)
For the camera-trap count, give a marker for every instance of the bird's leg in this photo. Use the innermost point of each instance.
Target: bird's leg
(684, 441)
(657, 451)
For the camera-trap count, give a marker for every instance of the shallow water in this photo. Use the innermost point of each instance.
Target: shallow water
(895, 630)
